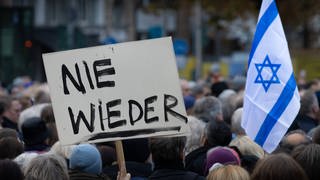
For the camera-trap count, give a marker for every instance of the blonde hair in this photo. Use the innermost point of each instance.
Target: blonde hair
(247, 147)
(228, 172)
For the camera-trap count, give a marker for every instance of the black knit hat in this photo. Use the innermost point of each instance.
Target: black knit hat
(34, 131)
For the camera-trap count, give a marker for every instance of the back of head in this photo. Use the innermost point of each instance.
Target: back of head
(247, 147)
(47, 166)
(278, 166)
(221, 155)
(197, 128)
(10, 148)
(218, 87)
(42, 96)
(167, 150)
(228, 172)
(218, 133)
(208, 108)
(293, 139)
(10, 170)
(136, 150)
(236, 122)
(308, 156)
(86, 158)
(309, 103)
(5, 103)
(34, 131)
(7, 132)
(316, 135)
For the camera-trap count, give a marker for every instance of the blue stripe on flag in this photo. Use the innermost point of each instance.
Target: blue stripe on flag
(264, 23)
(276, 111)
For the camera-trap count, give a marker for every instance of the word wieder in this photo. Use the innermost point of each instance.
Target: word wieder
(112, 115)
(100, 69)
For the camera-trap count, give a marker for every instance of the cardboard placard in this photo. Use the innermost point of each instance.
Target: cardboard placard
(115, 92)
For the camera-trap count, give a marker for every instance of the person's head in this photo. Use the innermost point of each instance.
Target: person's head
(62, 150)
(47, 166)
(12, 109)
(218, 133)
(228, 172)
(218, 87)
(34, 131)
(136, 150)
(228, 100)
(316, 135)
(86, 158)
(48, 117)
(10, 170)
(278, 166)
(167, 150)
(236, 119)
(185, 88)
(221, 155)
(208, 108)
(108, 155)
(197, 128)
(308, 156)
(293, 139)
(7, 132)
(10, 148)
(197, 91)
(309, 104)
(42, 96)
(189, 103)
(247, 147)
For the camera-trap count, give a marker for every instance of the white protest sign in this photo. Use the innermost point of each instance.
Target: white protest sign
(115, 92)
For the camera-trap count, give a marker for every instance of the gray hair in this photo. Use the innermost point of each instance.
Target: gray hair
(197, 129)
(308, 101)
(207, 108)
(47, 166)
(167, 149)
(236, 122)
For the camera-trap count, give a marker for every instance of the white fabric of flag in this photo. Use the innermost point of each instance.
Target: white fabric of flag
(271, 100)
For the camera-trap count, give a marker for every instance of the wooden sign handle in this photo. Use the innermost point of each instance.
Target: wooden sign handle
(120, 159)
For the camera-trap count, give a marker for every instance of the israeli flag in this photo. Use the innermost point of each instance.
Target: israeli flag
(271, 100)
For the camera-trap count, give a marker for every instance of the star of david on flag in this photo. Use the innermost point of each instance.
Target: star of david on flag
(263, 80)
(271, 100)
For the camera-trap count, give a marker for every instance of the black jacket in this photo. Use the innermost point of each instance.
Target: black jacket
(173, 171)
(136, 169)
(78, 175)
(195, 160)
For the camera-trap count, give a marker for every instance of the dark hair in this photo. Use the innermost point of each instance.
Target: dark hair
(10, 148)
(7, 132)
(316, 135)
(166, 150)
(136, 149)
(5, 103)
(308, 157)
(10, 170)
(48, 117)
(278, 166)
(218, 133)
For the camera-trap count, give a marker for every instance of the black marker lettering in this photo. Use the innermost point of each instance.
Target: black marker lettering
(148, 101)
(133, 102)
(114, 114)
(76, 125)
(107, 71)
(168, 108)
(66, 73)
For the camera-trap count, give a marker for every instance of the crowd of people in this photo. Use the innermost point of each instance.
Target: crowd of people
(216, 149)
